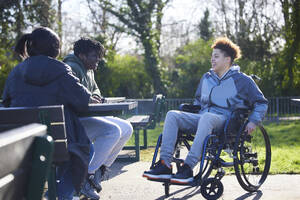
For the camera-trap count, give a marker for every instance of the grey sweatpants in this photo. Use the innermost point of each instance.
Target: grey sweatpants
(202, 124)
(108, 135)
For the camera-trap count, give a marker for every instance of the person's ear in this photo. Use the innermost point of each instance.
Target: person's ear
(228, 59)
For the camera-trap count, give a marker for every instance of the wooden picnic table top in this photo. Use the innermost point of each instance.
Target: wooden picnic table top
(112, 106)
(114, 99)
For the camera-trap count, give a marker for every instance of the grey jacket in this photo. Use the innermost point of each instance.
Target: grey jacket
(233, 90)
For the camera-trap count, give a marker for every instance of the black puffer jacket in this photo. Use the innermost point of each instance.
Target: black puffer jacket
(41, 80)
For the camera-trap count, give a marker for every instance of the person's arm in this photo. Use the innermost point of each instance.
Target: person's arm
(73, 92)
(95, 89)
(96, 92)
(259, 106)
(197, 100)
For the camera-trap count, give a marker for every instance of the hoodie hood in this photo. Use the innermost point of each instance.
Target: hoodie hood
(72, 58)
(42, 70)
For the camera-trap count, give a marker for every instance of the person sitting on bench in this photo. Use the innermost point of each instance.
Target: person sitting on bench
(220, 90)
(108, 134)
(42, 80)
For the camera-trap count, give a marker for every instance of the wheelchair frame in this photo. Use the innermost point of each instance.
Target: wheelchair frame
(237, 144)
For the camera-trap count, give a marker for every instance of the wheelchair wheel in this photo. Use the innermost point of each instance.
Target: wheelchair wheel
(212, 188)
(252, 158)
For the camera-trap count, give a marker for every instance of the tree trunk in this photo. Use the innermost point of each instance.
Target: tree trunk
(59, 19)
(151, 64)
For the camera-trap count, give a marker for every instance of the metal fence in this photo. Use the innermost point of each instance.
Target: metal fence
(280, 108)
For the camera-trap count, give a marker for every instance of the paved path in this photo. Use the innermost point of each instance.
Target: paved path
(126, 183)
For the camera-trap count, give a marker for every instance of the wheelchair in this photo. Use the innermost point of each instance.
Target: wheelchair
(249, 155)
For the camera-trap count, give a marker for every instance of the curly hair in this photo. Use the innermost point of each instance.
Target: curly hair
(228, 47)
(85, 46)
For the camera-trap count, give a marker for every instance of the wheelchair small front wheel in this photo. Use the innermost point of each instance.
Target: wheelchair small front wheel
(252, 159)
(212, 188)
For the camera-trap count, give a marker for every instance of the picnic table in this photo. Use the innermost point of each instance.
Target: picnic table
(112, 107)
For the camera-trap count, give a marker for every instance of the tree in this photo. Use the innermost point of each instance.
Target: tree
(204, 27)
(141, 19)
(188, 68)
(15, 17)
(290, 66)
(250, 26)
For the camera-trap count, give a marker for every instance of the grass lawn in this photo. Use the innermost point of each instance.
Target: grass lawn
(285, 143)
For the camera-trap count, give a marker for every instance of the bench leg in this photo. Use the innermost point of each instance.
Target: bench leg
(145, 139)
(137, 144)
(42, 159)
(52, 183)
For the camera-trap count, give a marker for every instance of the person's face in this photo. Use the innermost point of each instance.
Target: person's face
(219, 62)
(90, 60)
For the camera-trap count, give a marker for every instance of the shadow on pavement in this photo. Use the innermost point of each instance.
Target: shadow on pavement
(117, 169)
(254, 195)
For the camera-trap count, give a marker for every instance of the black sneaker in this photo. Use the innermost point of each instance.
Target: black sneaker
(183, 176)
(159, 171)
(88, 191)
(95, 180)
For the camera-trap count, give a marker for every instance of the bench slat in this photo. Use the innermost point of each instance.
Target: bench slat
(26, 115)
(139, 120)
(60, 154)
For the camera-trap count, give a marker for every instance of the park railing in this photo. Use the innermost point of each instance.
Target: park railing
(279, 108)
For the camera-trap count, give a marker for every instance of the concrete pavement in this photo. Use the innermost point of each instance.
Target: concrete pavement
(126, 183)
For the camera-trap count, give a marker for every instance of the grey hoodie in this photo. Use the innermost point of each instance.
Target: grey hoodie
(233, 90)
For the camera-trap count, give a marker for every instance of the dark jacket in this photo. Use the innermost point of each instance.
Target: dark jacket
(41, 80)
(85, 76)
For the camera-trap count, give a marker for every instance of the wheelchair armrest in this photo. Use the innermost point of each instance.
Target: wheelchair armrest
(189, 108)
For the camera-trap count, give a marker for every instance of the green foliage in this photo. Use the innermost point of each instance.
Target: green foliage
(6, 65)
(124, 76)
(191, 62)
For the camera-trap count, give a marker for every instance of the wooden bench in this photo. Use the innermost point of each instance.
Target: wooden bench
(144, 122)
(53, 117)
(25, 154)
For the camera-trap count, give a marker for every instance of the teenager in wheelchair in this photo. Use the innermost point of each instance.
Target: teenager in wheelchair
(227, 109)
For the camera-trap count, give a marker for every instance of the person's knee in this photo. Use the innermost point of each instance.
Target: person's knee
(127, 130)
(172, 115)
(115, 132)
(210, 120)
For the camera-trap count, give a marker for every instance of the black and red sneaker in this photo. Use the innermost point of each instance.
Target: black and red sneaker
(159, 171)
(183, 176)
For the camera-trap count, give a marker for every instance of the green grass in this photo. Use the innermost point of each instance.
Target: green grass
(285, 144)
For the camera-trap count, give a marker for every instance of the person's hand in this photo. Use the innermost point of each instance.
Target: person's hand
(250, 127)
(101, 100)
(94, 100)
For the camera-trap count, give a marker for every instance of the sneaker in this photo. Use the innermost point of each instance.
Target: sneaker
(88, 191)
(183, 176)
(95, 180)
(159, 171)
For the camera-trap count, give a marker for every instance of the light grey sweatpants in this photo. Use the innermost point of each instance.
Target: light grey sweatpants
(108, 135)
(202, 124)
